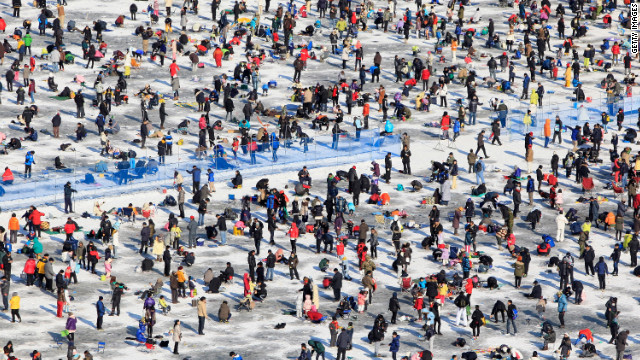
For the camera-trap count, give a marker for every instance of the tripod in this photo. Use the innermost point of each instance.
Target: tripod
(439, 145)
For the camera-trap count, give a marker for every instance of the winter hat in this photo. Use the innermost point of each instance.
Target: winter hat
(395, 217)
(192, 217)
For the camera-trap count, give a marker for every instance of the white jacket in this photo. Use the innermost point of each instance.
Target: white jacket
(561, 221)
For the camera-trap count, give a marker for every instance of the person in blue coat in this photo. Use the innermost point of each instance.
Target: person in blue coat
(211, 179)
(394, 346)
(100, 310)
(603, 271)
(275, 145)
(195, 176)
(305, 354)
(140, 333)
(466, 265)
(531, 188)
(456, 129)
(561, 299)
(29, 160)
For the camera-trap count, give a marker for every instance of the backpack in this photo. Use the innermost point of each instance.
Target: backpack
(478, 167)
(515, 314)
(400, 187)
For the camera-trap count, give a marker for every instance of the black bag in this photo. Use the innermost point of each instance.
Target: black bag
(164, 343)
(417, 185)
(460, 342)
(147, 264)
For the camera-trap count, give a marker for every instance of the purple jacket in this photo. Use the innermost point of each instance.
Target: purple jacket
(71, 324)
(149, 303)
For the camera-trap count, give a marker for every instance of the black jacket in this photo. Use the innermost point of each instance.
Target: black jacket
(336, 281)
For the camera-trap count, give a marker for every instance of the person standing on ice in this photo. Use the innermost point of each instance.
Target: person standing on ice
(561, 222)
(461, 303)
(68, 191)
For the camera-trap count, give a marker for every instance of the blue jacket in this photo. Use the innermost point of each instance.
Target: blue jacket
(388, 127)
(525, 82)
(100, 120)
(531, 187)
(562, 303)
(210, 177)
(275, 142)
(29, 160)
(271, 201)
(574, 134)
(195, 174)
(466, 265)
(468, 238)
(601, 268)
(394, 347)
(100, 308)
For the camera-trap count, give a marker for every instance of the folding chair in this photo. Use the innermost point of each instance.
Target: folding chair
(587, 185)
(379, 218)
(101, 346)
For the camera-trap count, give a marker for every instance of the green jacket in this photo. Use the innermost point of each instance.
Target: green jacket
(37, 246)
(316, 346)
(27, 40)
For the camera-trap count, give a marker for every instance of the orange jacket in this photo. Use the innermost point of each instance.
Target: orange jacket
(14, 223)
(547, 128)
(365, 109)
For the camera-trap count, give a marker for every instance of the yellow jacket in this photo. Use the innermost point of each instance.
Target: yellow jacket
(534, 97)
(40, 267)
(14, 303)
(181, 276)
(176, 231)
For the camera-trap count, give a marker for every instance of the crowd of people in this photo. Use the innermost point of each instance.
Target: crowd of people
(246, 42)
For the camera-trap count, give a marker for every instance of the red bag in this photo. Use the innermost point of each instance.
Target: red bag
(310, 228)
(326, 282)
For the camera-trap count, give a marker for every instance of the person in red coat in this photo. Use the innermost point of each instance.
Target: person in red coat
(173, 69)
(36, 220)
(444, 125)
(30, 270)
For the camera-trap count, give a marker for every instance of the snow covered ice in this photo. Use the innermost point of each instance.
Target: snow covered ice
(252, 334)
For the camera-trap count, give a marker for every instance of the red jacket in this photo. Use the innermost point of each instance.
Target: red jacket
(615, 49)
(426, 74)
(444, 124)
(30, 266)
(173, 69)
(69, 228)
(35, 217)
(418, 304)
(469, 286)
(293, 232)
